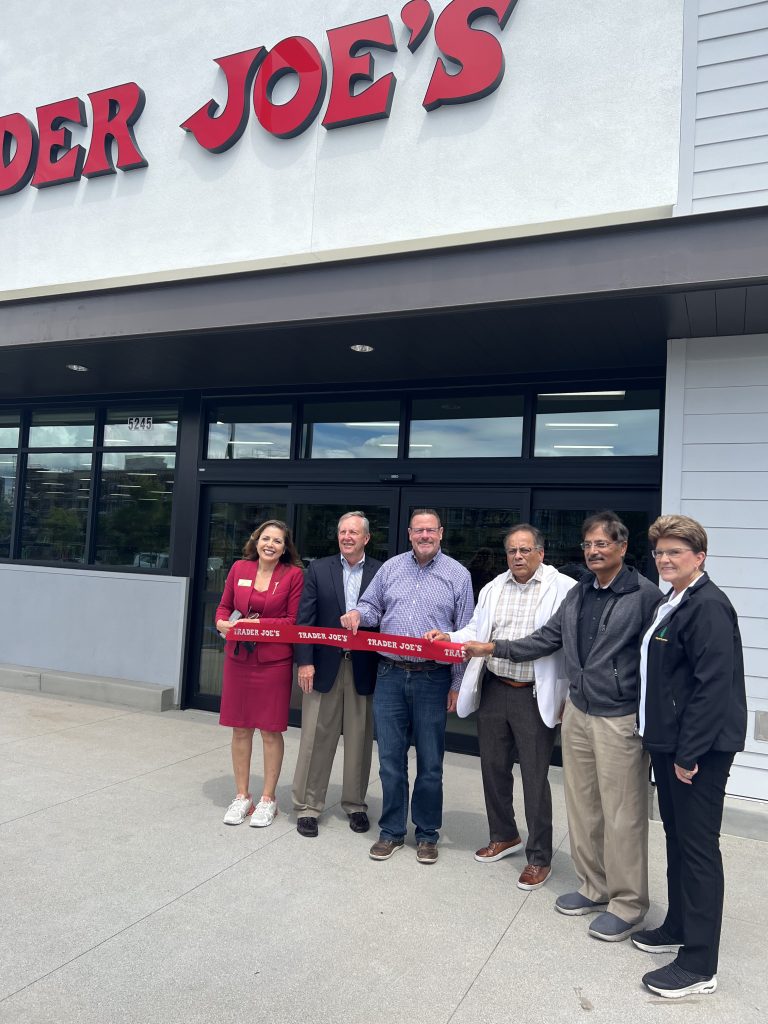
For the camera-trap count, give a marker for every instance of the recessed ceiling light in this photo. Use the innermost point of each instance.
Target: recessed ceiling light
(77, 368)
(361, 348)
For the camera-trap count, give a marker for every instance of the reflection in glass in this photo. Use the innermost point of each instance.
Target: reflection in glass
(7, 496)
(316, 527)
(598, 423)
(134, 510)
(474, 536)
(230, 525)
(56, 506)
(249, 432)
(562, 536)
(211, 652)
(351, 430)
(487, 427)
(61, 429)
(9, 430)
(139, 426)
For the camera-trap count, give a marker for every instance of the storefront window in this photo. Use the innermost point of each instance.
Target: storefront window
(134, 510)
(598, 423)
(454, 428)
(141, 428)
(7, 497)
(61, 429)
(249, 432)
(66, 463)
(351, 430)
(9, 430)
(56, 506)
(562, 537)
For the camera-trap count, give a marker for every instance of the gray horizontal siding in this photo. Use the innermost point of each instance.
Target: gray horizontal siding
(716, 470)
(733, 101)
(725, 399)
(742, 152)
(752, 178)
(734, 72)
(724, 131)
(715, 6)
(734, 20)
(733, 47)
(749, 486)
(739, 201)
(731, 127)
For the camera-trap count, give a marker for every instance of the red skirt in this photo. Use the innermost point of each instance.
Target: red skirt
(256, 696)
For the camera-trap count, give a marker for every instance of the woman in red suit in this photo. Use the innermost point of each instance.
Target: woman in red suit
(264, 585)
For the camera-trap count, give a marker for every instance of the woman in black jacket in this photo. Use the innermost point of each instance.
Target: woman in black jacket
(693, 719)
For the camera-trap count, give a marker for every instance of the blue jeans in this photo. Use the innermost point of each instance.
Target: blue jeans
(411, 707)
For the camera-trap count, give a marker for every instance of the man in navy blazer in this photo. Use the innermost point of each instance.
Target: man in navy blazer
(337, 686)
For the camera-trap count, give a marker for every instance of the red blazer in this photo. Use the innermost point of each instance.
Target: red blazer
(280, 609)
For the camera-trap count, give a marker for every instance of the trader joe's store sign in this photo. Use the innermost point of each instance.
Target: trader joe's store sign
(471, 66)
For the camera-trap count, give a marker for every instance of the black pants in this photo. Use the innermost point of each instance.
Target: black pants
(692, 816)
(509, 729)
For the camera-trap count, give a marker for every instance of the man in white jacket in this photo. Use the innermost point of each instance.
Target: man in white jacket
(519, 704)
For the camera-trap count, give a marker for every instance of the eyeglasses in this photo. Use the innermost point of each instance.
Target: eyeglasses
(523, 551)
(425, 529)
(670, 552)
(599, 545)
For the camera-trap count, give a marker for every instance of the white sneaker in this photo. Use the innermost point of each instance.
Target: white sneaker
(264, 813)
(238, 810)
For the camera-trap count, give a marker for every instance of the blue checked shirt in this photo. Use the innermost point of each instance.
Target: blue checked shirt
(353, 578)
(407, 599)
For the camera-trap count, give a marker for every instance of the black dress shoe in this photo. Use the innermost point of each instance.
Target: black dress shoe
(307, 827)
(358, 821)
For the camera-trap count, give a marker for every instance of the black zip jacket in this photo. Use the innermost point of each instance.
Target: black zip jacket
(695, 697)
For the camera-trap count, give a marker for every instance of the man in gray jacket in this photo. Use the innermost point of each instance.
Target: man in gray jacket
(605, 770)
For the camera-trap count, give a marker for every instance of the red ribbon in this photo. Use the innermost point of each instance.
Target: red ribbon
(379, 643)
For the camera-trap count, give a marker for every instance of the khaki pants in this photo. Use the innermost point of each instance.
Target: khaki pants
(605, 772)
(323, 716)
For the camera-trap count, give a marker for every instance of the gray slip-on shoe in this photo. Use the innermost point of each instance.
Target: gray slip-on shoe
(574, 904)
(610, 928)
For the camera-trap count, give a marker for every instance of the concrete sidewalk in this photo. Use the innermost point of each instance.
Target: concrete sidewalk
(124, 898)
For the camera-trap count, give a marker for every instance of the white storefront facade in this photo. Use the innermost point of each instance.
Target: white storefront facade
(545, 220)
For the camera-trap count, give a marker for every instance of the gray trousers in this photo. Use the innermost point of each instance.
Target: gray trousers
(323, 716)
(509, 729)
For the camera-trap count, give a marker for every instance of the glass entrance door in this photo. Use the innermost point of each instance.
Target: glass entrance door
(228, 517)
(474, 523)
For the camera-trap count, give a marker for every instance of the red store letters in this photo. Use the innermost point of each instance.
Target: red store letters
(43, 154)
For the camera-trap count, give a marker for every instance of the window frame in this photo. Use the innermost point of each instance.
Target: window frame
(97, 451)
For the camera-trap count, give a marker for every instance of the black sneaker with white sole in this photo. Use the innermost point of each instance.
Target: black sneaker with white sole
(655, 940)
(674, 982)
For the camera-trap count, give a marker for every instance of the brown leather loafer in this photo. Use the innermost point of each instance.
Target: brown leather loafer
(533, 876)
(426, 853)
(495, 851)
(383, 849)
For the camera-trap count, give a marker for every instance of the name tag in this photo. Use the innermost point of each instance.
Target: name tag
(245, 583)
